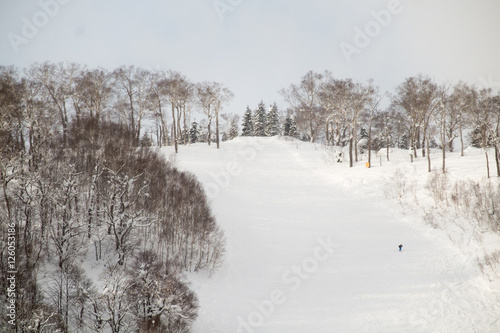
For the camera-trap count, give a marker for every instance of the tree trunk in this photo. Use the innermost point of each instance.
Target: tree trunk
(444, 158)
(174, 130)
(428, 155)
(497, 158)
(327, 134)
(461, 141)
(351, 164)
(217, 126)
(209, 129)
(487, 163)
(370, 144)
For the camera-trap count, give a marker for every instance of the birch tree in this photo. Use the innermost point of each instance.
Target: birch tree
(211, 97)
(132, 83)
(304, 99)
(416, 97)
(58, 81)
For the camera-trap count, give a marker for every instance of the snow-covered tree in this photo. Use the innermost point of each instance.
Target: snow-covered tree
(229, 126)
(403, 142)
(247, 124)
(233, 130)
(363, 134)
(112, 306)
(194, 133)
(162, 302)
(260, 120)
(273, 121)
(290, 128)
(122, 210)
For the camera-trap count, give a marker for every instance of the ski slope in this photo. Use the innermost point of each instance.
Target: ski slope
(313, 247)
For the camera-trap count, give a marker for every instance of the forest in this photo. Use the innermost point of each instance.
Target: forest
(83, 186)
(96, 229)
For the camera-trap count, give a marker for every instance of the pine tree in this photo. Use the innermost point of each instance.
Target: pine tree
(233, 130)
(290, 127)
(294, 133)
(403, 142)
(146, 141)
(287, 125)
(194, 133)
(273, 121)
(475, 138)
(260, 120)
(363, 133)
(247, 123)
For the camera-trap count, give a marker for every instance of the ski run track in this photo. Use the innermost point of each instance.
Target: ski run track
(312, 245)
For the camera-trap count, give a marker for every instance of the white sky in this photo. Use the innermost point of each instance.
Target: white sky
(261, 46)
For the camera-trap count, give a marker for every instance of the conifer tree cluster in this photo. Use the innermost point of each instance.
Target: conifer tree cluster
(267, 123)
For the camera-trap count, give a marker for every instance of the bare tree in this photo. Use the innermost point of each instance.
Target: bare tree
(179, 92)
(121, 199)
(133, 83)
(212, 96)
(416, 97)
(442, 117)
(371, 114)
(459, 102)
(482, 119)
(230, 125)
(304, 99)
(335, 98)
(112, 307)
(58, 81)
(157, 95)
(94, 89)
(495, 131)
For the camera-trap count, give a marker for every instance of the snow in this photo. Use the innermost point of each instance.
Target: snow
(312, 245)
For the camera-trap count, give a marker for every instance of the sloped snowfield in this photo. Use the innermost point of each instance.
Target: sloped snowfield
(312, 246)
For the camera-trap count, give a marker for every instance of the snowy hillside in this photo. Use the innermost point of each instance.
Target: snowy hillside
(312, 245)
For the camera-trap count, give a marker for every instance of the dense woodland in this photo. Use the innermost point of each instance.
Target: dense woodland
(79, 196)
(81, 185)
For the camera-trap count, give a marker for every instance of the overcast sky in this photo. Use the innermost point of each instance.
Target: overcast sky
(257, 47)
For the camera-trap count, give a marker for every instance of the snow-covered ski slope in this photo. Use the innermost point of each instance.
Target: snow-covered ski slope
(312, 247)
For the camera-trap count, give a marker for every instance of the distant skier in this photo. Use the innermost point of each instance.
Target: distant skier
(400, 247)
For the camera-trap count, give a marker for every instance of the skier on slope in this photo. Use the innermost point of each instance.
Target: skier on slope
(400, 247)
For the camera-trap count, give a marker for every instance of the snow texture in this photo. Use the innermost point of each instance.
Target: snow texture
(312, 246)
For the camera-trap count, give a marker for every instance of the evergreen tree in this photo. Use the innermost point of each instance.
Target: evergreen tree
(290, 127)
(363, 133)
(287, 125)
(233, 130)
(247, 123)
(377, 143)
(433, 144)
(273, 121)
(475, 138)
(403, 142)
(294, 133)
(194, 133)
(260, 120)
(146, 141)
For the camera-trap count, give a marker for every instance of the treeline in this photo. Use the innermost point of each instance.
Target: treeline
(155, 105)
(262, 123)
(100, 228)
(420, 114)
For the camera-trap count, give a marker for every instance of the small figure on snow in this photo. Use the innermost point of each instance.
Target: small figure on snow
(400, 247)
